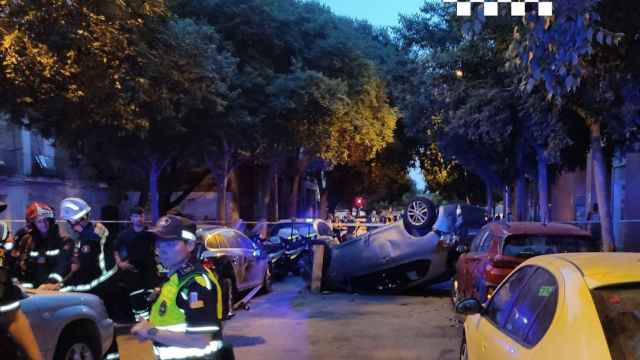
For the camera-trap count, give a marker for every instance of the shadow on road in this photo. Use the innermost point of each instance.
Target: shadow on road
(244, 341)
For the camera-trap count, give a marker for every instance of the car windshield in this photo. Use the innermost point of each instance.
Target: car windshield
(619, 311)
(526, 246)
(304, 229)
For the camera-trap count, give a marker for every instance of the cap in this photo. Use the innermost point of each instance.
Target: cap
(173, 227)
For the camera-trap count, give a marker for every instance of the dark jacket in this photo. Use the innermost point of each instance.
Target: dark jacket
(91, 254)
(44, 259)
(138, 249)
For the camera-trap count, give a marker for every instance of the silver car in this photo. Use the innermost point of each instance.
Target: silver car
(68, 325)
(409, 253)
(241, 264)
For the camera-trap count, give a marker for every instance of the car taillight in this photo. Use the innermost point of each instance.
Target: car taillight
(490, 291)
(504, 262)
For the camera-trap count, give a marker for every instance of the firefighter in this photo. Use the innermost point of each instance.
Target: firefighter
(186, 318)
(93, 265)
(45, 255)
(15, 331)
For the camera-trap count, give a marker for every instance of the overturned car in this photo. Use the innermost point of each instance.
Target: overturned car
(419, 250)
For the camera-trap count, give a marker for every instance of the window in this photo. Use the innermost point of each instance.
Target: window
(534, 309)
(475, 245)
(247, 243)
(619, 311)
(216, 240)
(304, 229)
(486, 243)
(233, 239)
(500, 305)
(527, 246)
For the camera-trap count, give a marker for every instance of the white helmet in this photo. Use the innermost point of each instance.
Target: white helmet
(73, 209)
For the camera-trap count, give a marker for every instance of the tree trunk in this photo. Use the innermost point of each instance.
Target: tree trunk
(506, 212)
(267, 189)
(143, 199)
(234, 189)
(301, 165)
(295, 192)
(489, 194)
(521, 198)
(543, 185)
(276, 196)
(154, 174)
(602, 193)
(324, 204)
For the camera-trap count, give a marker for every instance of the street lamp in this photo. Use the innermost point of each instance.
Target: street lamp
(459, 73)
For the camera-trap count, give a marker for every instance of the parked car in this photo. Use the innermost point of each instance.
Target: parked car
(562, 306)
(402, 255)
(289, 242)
(501, 246)
(242, 264)
(68, 325)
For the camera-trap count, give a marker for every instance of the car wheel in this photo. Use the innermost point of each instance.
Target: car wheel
(419, 214)
(267, 281)
(464, 354)
(75, 347)
(228, 296)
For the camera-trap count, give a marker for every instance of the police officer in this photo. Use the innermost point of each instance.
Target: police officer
(135, 257)
(15, 330)
(92, 264)
(44, 254)
(186, 318)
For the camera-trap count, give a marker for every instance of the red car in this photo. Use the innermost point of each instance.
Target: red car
(501, 246)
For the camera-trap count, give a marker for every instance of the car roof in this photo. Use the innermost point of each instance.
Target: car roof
(597, 269)
(298, 220)
(505, 229)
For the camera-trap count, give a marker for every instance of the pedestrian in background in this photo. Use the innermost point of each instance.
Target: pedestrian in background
(137, 268)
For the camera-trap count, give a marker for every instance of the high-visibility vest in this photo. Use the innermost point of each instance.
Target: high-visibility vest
(166, 315)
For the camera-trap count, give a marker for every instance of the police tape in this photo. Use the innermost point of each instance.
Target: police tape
(230, 224)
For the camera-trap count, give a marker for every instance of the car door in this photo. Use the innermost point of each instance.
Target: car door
(467, 262)
(238, 256)
(477, 281)
(255, 272)
(486, 329)
(518, 315)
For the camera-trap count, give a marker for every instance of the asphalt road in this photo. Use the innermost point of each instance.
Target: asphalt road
(291, 323)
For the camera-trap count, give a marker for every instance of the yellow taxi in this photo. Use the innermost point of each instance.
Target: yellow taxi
(561, 306)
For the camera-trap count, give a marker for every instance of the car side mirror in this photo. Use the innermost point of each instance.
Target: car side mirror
(461, 249)
(469, 307)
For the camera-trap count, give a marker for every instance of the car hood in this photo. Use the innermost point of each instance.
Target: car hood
(48, 300)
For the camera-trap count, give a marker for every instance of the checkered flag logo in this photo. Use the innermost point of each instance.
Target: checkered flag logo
(463, 8)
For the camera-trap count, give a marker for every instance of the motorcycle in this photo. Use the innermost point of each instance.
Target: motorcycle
(287, 251)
